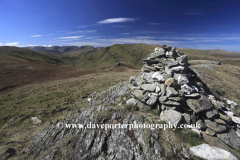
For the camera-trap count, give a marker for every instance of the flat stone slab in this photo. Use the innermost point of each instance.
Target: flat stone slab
(138, 94)
(148, 77)
(215, 126)
(148, 87)
(204, 151)
(156, 54)
(171, 92)
(170, 63)
(199, 105)
(230, 139)
(171, 103)
(152, 100)
(171, 116)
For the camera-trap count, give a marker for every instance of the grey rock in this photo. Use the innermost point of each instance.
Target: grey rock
(152, 100)
(170, 63)
(232, 103)
(159, 53)
(162, 98)
(199, 105)
(148, 87)
(220, 121)
(182, 80)
(235, 112)
(204, 151)
(225, 118)
(230, 139)
(187, 118)
(138, 94)
(145, 95)
(194, 95)
(182, 59)
(236, 119)
(210, 132)
(157, 76)
(166, 76)
(217, 104)
(163, 89)
(177, 68)
(148, 68)
(134, 81)
(171, 92)
(148, 77)
(168, 71)
(187, 89)
(201, 124)
(36, 120)
(171, 103)
(171, 116)
(215, 126)
(177, 99)
(131, 101)
(211, 113)
(158, 89)
(171, 54)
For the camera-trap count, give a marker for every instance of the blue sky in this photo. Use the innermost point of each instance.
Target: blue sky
(198, 24)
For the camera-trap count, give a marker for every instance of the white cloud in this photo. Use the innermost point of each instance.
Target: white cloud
(116, 20)
(50, 34)
(36, 35)
(11, 44)
(72, 37)
(90, 31)
(1, 44)
(125, 33)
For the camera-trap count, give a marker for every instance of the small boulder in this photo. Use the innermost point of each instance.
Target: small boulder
(171, 116)
(36, 120)
(199, 105)
(148, 87)
(158, 77)
(171, 92)
(204, 151)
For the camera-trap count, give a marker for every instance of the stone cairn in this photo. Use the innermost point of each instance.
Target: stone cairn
(181, 97)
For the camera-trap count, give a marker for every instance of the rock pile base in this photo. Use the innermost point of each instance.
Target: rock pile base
(181, 97)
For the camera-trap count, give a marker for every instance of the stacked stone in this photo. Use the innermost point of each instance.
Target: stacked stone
(181, 97)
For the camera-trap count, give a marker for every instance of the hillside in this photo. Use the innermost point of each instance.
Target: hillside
(66, 50)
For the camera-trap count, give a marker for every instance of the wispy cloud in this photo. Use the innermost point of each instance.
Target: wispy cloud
(71, 37)
(36, 35)
(11, 44)
(84, 26)
(50, 34)
(153, 24)
(157, 24)
(91, 31)
(116, 20)
(126, 33)
(1, 44)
